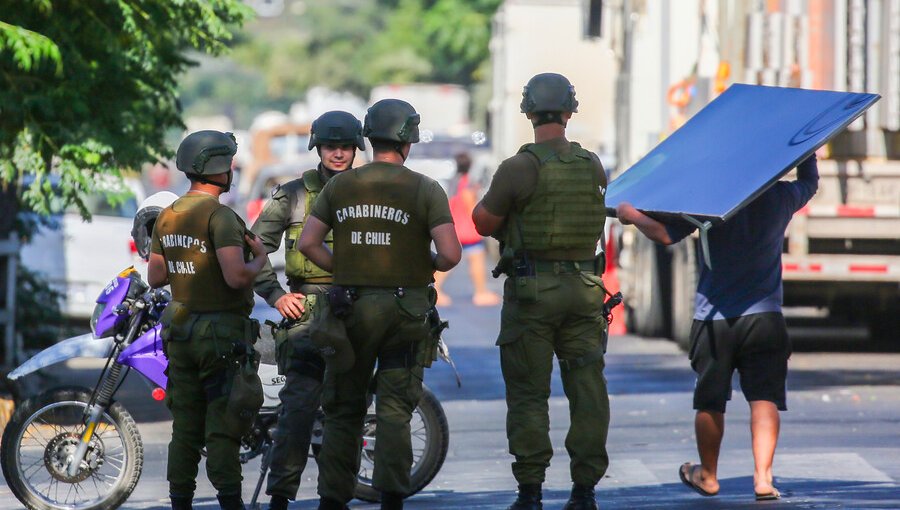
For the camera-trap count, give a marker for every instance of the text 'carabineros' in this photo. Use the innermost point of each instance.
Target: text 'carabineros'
(372, 211)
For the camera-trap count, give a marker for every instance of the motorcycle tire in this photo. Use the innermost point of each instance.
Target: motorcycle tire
(55, 418)
(429, 418)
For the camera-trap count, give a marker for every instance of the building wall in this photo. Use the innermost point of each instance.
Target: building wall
(535, 36)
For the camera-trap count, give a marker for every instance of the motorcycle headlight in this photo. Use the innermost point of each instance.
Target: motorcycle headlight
(98, 309)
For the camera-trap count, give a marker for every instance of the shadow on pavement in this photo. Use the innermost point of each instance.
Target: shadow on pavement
(801, 379)
(735, 493)
(626, 374)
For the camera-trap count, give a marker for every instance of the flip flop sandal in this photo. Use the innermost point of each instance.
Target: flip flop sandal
(768, 496)
(688, 480)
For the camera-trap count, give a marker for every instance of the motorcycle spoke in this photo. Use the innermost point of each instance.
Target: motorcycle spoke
(97, 476)
(73, 492)
(38, 430)
(119, 464)
(38, 464)
(106, 428)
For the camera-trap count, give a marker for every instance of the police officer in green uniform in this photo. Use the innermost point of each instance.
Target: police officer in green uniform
(336, 135)
(200, 248)
(546, 206)
(383, 217)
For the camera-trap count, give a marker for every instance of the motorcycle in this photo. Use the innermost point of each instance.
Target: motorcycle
(76, 447)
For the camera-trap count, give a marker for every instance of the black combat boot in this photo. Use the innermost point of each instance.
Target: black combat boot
(182, 502)
(231, 502)
(391, 501)
(529, 498)
(331, 504)
(582, 498)
(278, 502)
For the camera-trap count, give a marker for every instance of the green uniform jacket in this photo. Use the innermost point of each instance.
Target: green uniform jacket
(287, 207)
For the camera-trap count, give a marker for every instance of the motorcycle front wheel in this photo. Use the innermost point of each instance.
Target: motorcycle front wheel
(46, 429)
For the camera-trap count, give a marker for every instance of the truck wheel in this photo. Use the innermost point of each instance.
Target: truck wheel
(684, 286)
(647, 311)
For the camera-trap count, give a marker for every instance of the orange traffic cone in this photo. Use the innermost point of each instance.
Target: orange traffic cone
(611, 281)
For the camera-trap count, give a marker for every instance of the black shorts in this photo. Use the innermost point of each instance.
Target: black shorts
(756, 345)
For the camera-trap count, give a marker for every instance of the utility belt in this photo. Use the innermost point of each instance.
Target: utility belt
(296, 284)
(329, 332)
(564, 266)
(399, 292)
(180, 324)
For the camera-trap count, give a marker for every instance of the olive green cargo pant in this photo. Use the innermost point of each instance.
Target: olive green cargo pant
(381, 327)
(197, 395)
(566, 320)
(303, 368)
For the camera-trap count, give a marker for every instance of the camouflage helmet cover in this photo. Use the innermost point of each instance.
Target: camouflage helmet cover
(392, 119)
(336, 127)
(548, 92)
(206, 152)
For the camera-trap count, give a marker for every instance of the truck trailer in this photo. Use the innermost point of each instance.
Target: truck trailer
(842, 251)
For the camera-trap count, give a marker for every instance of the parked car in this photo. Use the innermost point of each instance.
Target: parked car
(77, 257)
(435, 156)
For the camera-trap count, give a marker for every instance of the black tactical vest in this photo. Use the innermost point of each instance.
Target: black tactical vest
(194, 271)
(381, 235)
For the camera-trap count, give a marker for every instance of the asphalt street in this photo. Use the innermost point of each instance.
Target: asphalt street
(840, 445)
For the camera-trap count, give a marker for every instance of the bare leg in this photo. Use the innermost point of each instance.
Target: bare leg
(765, 424)
(709, 426)
(478, 273)
(442, 299)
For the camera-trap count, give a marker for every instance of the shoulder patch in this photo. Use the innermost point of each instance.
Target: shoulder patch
(282, 191)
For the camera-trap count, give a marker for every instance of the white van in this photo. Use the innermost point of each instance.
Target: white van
(80, 258)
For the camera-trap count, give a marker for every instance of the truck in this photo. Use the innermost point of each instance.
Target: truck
(842, 251)
(642, 69)
(444, 107)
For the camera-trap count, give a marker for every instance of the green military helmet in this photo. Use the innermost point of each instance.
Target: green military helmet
(206, 152)
(336, 127)
(548, 92)
(392, 119)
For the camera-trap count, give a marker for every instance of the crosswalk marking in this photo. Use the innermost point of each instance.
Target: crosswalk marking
(629, 472)
(827, 466)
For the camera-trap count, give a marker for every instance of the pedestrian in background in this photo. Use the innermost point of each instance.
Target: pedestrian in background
(336, 136)
(462, 203)
(546, 206)
(738, 325)
(384, 218)
(200, 247)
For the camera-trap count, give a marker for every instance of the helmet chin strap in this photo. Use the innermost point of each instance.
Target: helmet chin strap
(225, 187)
(399, 149)
(541, 118)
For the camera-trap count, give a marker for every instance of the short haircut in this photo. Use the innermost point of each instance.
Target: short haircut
(541, 118)
(381, 145)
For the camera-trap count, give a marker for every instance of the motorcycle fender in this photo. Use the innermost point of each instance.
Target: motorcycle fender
(272, 384)
(82, 346)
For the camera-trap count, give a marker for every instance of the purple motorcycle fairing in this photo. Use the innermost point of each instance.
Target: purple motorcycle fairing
(112, 296)
(146, 356)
